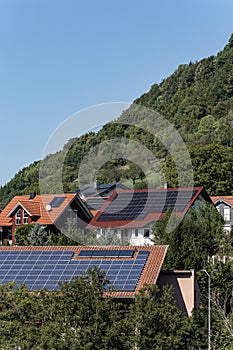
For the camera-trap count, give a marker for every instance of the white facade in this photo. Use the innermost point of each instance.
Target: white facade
(133, 236)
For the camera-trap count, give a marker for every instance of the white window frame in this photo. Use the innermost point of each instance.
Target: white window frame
(18, 217)
(227, 213)
(25, 217)
(125, 235)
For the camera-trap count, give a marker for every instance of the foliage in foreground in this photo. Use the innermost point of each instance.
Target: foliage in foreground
(78, 317)
(200, 235)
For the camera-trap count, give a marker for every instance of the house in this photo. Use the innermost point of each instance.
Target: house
(128, 269)
(224, 204)
(132, 213)
(52, 211)
(183, 283)
(99, 190)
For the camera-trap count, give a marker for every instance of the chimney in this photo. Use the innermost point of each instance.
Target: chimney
(96, 184)
(166, 185)
(32, 195)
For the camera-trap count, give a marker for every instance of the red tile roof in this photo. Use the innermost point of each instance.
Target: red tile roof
(36, 207)
(151, 214)
(149, 273)
(227, 199)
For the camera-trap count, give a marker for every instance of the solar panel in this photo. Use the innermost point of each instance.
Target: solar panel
(99, 253)
(136, 205)
(126, 253)
(112, 253)
(37, 273)
(85, 253)
(56, 202)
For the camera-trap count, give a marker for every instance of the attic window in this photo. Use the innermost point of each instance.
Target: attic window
(17, 217)
(25, 217)
(226, 212)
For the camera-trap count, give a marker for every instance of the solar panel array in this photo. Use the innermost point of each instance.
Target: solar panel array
(107, 253)
(39, 269)
(135, 206)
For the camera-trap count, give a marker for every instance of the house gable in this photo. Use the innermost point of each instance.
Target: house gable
(48, 210)
(224, 205)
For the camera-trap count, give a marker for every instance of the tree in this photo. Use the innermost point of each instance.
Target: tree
(71, 234)
(157, 322)
(22, 234)
(198, 237)
(38, 236)
(74, 317)
(109, 237)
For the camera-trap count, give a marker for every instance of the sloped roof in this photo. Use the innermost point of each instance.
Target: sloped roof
(136, 208)
(127, 268)
(31, 207)
(99, 189)
(37, 206)
(94, 203)
(226, 199)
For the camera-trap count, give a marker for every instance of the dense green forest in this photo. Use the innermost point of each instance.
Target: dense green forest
(197, 99)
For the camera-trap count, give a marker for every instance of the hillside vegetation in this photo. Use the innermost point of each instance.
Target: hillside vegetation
(197, 99)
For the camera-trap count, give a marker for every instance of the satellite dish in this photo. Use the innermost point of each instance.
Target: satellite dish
(48, 207)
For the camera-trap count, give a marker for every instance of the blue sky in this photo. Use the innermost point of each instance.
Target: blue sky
(61, 56)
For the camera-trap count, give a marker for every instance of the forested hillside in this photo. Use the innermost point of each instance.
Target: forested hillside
(197, 98)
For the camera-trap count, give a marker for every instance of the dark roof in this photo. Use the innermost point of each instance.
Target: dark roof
(99, 190)
(137, 208)
(95, 203)
(127, 268)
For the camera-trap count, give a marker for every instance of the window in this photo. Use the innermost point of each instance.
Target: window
(25, 217)
(146, 232)
(124, 236)
(136, 232)
(17, 217)
(226, 213)
(9, 233)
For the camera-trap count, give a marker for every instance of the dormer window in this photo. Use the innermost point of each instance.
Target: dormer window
(17, 217)
(25, 217)
(226, 212)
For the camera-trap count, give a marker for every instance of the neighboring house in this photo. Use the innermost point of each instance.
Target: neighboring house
(186, 289)
(94, 204)
(132, 213)
(224, 204)
(99, 190)
(128, 269)
(51, 211)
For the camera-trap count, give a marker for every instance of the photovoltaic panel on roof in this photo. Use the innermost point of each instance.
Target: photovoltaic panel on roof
(126, 253)
(37, 273)
(108, 253)
(128, 206)
(85, 253)
(57, 201)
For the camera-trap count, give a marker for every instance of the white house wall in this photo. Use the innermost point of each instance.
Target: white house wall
(133, 236)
